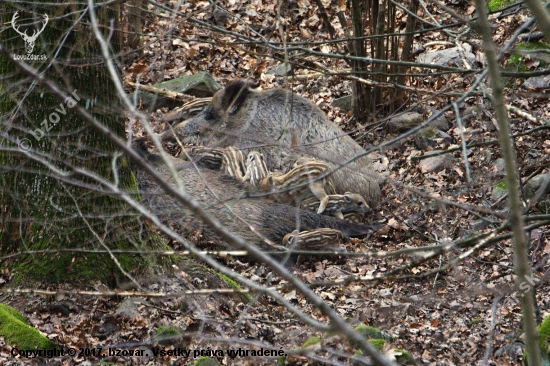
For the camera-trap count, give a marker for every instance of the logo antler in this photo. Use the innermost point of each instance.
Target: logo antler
(29, 40)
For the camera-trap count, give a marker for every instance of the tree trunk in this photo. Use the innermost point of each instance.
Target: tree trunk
(400, 95)
(44, 204)
(135, 22)
(361, 92)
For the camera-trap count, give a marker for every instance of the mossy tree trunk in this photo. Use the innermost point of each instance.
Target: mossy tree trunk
(41, 136)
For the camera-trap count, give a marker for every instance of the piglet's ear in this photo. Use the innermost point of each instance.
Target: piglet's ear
(347, 197)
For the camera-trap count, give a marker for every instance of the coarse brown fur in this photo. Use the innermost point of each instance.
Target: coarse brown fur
(283, 126)
(224, 198)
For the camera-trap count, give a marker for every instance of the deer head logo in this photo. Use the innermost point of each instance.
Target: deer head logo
(29, 40)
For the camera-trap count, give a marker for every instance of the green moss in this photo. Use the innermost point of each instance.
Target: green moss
(531, 45)
(234, 285)
(133, 183)
(311, 341)
(377, 343)
(371, 332)
(495, 5)
(12, 312)
(475, 321)
(167, 330)
(17, 332)
(429, 132)
(544, 335)
(517, 59)
(500, 189)
(206, 361)
(74, 267)
(81, 268)
(405, 358)
(378, 339)
(166, 334)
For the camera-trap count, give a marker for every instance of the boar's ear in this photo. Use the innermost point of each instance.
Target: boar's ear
(235, 94)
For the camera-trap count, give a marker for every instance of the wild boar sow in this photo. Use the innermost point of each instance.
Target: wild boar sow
(222, 197)
(282, 126)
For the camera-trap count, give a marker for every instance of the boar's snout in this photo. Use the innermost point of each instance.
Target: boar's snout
(196, 129)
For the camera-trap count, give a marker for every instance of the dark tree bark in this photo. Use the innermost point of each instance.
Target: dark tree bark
(380, 15)
(362, 94)
(135, 22)
(399, 94)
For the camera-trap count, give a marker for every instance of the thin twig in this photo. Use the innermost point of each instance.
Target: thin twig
(521, 260)
(463, 143)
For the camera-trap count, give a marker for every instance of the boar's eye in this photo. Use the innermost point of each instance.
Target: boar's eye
(208, 115)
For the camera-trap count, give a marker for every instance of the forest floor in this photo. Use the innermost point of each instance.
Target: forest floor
(457, 309)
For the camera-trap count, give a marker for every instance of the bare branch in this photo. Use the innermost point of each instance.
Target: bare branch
(512, 182)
